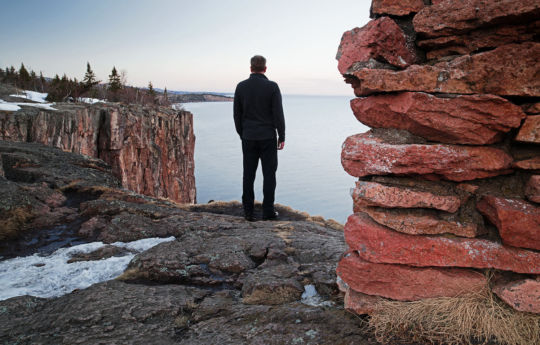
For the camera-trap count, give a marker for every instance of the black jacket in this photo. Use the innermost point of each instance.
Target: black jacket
(258, 111)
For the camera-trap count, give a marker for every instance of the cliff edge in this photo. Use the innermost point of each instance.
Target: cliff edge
(149, 149)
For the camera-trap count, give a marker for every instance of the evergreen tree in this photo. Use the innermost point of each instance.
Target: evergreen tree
(33, 77)
(2, 74)
(42, 82)
(89, 80)
(114, 81)
(24, 77)
(151, 93)
(165, 95)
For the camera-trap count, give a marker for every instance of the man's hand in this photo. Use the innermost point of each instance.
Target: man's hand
(281, 145)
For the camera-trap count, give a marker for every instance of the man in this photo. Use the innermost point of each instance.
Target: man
(258, 114)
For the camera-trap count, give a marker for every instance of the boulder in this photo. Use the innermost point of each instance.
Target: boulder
(381, 39)
(405, 283)
(509, 70)
(475, 119)
(422, 222)
(485, 38)
(530, 131)
(458, 16)
(378, 244)
(395, 8)
(377, 194)
(522, 295)
(532, 189)
(373, 153)
(518, 221)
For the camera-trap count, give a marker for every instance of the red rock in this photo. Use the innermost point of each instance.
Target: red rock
(531, 108)
(522, 295)
(396, 8)
(150, 150)
(360, 303)
(475, 119)
(517, 220)
(530, 131)
(369, 154)
(532, 190)
(469, 42)
(378, 244)
(376, 194)
(381, 39)
(509, 70)
(404, 283)
(418, 222)
(457, 16)
(528, 164)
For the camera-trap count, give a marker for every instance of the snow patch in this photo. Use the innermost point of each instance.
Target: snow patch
(51, 276)
(33, 96)
(8, 106)
(90, 100)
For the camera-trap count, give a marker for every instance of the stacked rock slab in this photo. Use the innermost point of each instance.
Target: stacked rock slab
(151, 150)
(449, 174)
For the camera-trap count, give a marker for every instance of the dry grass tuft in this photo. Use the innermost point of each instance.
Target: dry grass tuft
(132, 274)
(468, 319)
(12, 222)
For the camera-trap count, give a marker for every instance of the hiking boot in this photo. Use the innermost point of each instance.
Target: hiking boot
(271, 216)
(249, 217)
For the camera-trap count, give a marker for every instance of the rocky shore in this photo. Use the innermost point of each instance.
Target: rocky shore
(220, 280)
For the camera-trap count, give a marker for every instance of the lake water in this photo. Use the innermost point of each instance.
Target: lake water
(309, 176)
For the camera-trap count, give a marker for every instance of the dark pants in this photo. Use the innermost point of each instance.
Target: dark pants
(266, 151)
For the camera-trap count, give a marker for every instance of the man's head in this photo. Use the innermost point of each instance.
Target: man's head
(258, 64)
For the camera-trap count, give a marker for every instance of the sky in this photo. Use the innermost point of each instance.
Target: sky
(196, 45)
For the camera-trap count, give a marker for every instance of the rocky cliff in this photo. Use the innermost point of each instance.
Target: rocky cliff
(448, 175)
(150, 149)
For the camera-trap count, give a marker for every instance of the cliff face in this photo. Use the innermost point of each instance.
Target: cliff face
(150, 150)
(448, 176)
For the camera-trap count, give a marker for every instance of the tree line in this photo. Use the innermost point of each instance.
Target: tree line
(64, 89)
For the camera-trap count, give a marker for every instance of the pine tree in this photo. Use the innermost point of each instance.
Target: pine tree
(151, 92)
(165, 95)
(33, 77)
(89, 80)
(114, 81)
(42, 81)
(24, 77)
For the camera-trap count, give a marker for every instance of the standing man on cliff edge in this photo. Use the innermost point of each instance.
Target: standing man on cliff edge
(258, 114)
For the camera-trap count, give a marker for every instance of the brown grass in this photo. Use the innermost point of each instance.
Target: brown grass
(468, 319)
(132, 274)
(12, 222)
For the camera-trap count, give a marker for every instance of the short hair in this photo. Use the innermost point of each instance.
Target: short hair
(258, 63)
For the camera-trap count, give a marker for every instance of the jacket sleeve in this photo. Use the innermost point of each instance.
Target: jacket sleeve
(237, 112)
(277, 113)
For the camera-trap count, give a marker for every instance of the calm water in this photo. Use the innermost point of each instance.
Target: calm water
(309, 177)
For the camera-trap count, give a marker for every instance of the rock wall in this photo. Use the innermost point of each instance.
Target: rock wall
(150, 150)
(449, 178)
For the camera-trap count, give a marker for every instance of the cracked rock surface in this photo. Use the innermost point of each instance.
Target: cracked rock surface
(223, 280)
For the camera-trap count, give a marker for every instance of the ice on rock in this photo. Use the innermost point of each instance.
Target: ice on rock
(311, 297)
(51, 276)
